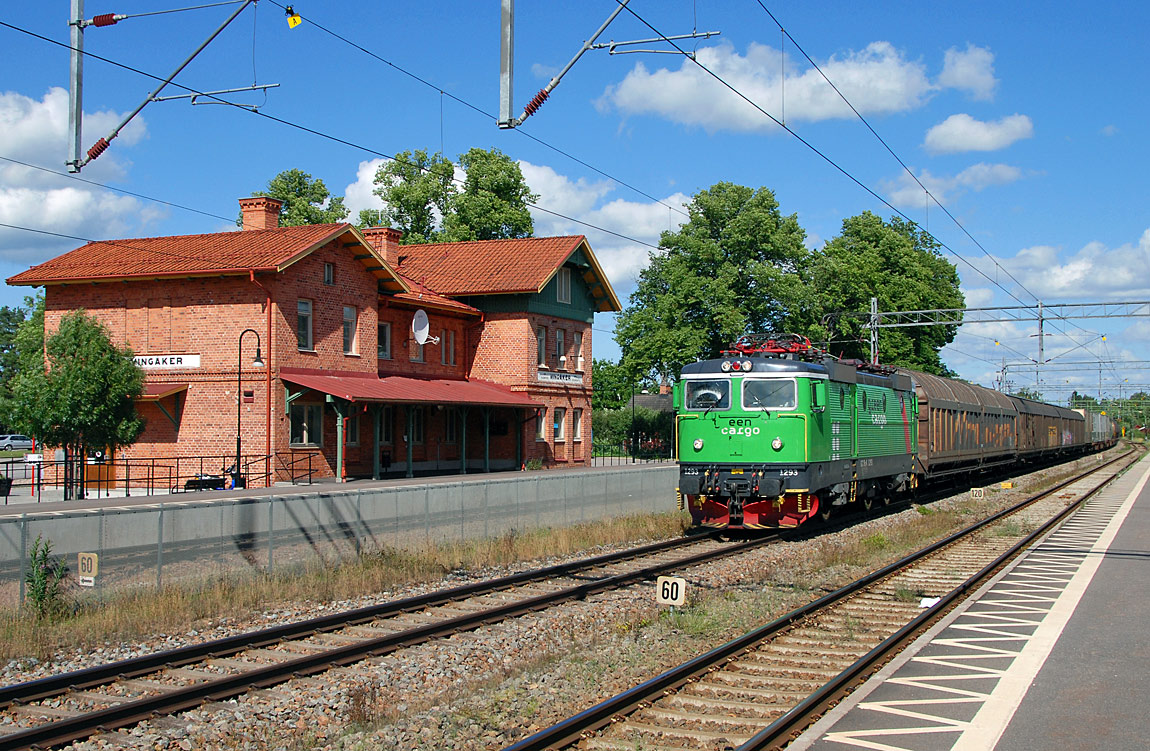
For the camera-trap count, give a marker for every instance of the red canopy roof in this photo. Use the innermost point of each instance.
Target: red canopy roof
(404, 389)
(155, 391)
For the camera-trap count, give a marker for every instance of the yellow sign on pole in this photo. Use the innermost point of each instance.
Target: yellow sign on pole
(88, 565)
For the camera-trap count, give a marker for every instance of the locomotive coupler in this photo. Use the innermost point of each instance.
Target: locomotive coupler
(737, 488)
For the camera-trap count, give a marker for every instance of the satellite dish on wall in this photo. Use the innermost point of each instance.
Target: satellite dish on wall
(420, 327)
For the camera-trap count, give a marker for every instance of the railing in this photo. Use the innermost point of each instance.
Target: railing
(288, 462)
(49, 479)
(618, 454)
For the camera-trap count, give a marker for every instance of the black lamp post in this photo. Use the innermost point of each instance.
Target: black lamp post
(257, 362)
(632, 420)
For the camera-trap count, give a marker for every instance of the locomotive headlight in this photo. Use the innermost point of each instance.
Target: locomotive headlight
(777, 443)
(725, 367)
(747, 365)
(698, 444)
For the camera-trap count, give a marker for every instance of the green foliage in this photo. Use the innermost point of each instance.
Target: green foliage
(44, 581)
(533, 464)
(22, 349)
(650, 429)
(731, 269)
(416, 189)
(423, 202)
(305, 200)
(86, 395)
(898, 264)
(493, 202)
(610, 385)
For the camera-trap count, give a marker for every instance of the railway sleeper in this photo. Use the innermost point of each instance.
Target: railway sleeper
(789, 669)
(641, 731)
(715, 689)
(724, 723)
(704, 704)
(790, 684)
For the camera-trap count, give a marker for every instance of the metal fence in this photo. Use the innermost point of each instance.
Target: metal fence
(620, 454)
(188, 539)
(48, 480)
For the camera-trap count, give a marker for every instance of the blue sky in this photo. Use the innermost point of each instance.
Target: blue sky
(1027, 122)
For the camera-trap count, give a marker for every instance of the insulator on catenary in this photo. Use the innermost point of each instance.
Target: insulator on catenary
(105, 19)
(99, 147)
(537, 101)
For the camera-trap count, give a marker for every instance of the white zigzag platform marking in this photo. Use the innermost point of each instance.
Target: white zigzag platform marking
(1025, 597)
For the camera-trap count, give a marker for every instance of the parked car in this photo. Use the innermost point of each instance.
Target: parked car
(15, 441)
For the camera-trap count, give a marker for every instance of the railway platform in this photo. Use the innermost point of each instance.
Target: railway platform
(1052, 653)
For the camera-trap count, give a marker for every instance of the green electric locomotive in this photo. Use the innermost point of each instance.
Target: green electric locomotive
(776, 432)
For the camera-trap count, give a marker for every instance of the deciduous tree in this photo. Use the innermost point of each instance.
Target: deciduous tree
(731, 269)
(416, 189)
(895, 262)
(493, 202)
(306, 200)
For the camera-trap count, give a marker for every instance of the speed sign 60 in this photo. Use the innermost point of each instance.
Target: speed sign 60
(670, 590)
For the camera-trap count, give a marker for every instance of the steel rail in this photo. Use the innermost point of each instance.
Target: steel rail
(136, 666)
(573, 729)
(70, 729)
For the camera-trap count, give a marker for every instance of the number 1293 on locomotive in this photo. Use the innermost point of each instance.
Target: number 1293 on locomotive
(671, 590)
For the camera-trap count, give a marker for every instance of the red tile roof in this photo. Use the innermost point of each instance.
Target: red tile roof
(403, 389)
(492, 267)
(421, 295)
(216, 253)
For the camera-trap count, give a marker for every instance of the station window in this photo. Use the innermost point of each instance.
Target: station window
(416, 424)
(447, 347)
(383, 344)
(386, 418)
(450, 425)
(541, 345)
(303, 325)
(307, 425)
(560, 354)
(563, 286)
(539, 431)
(351, 430)
(415, 354)
(576, 424)
(350, 327)
(329, 273)
(577, 350)
(560, 419)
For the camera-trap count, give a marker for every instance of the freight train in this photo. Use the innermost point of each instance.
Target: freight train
(776, 432)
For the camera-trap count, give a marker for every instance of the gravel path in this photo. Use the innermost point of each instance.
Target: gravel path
(487, 688)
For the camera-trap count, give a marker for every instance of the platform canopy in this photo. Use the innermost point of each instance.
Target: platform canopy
(410, 390)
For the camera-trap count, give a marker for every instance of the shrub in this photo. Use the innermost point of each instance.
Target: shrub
(44, 581)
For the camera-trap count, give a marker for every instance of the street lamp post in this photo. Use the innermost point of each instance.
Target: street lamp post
(257, 362)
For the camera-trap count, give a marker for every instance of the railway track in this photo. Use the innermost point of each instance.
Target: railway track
(60, 709)
(758, 691)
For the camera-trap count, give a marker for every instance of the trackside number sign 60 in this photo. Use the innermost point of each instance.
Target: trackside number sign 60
(670, 590)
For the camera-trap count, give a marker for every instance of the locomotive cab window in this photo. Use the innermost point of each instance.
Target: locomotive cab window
(708, 394)
(768, 394)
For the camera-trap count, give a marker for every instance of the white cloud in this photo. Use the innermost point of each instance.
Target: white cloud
(970, 70)
(1109, 130)
(904, 192)
(36, 133)
(963, 133)
(977, 297)
(621, 257)
(877, 80)
(1093, 272)
(358, 195)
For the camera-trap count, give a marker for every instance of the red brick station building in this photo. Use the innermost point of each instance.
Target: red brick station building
(502, 378)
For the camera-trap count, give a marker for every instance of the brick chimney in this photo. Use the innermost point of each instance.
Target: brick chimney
(386, 241)
(261, 212)
(664, 388)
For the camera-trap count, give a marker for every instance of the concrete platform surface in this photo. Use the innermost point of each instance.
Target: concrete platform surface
(1053, 653)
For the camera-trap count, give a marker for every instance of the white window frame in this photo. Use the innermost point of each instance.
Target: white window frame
(563, 286)
(310, 412)
(305, 316)
(577, 424)
(559, 423)
(329, 273)
(350, 338)
(383, 343)
(577, 350)
(541, 346)
(560, 354)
